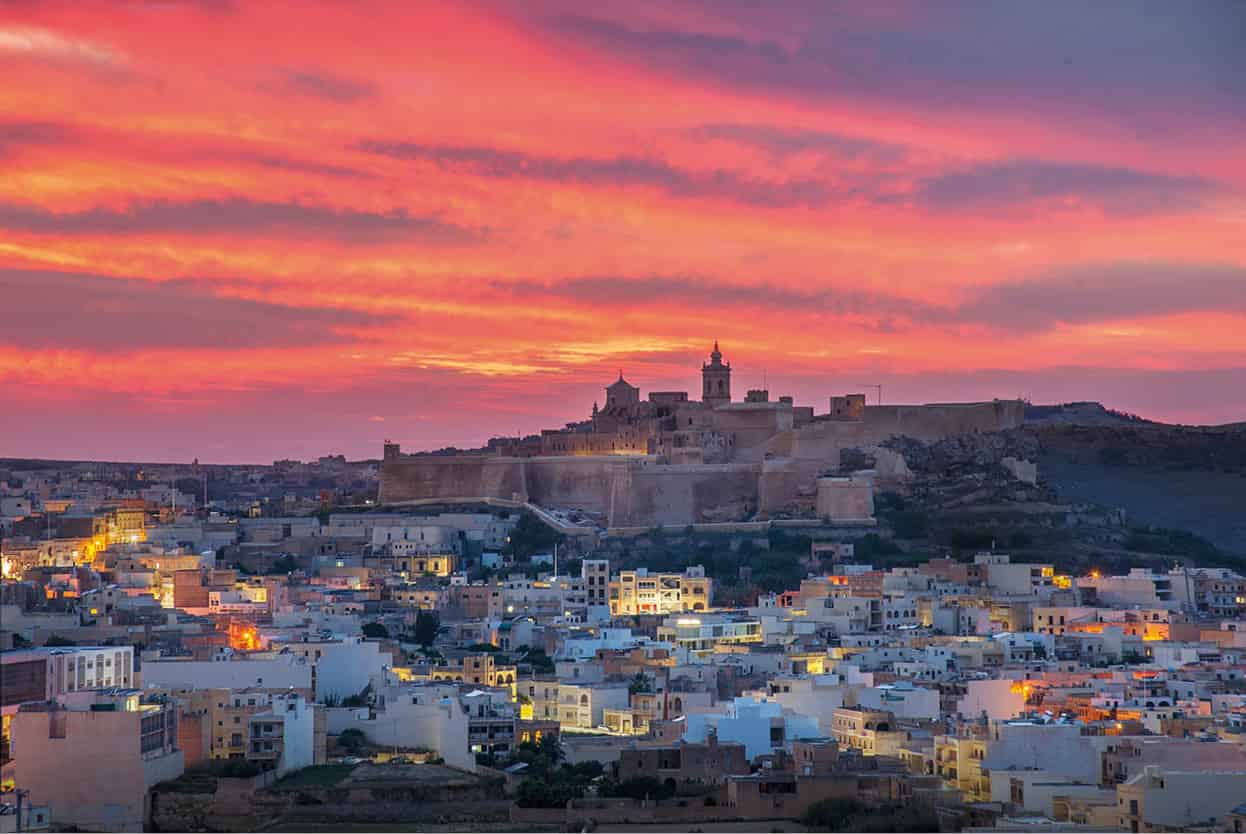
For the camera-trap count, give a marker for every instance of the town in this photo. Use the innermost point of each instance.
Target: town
(557, 416)
(197, 647)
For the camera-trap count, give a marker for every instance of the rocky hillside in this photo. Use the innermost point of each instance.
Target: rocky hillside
(1110, 489)
(1185, 477)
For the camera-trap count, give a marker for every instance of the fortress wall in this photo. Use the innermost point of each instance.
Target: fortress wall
(583, 482)
(684, 494)
(787, 485)
(931, 423)
(637, 491)
(845, 499)
(822, 441)
(451, 476)
(752, 426)
(572, 481)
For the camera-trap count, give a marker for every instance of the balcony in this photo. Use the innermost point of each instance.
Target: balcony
(264, 752)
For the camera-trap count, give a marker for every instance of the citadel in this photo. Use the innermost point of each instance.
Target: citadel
(673, 460)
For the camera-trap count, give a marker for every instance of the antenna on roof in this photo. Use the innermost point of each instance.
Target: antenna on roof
(877, 388)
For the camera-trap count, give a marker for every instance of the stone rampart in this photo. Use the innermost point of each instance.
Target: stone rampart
(685, 494)
(638, 490)
(414, 477)
(936, 421)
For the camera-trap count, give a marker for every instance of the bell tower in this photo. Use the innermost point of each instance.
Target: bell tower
(716, 380)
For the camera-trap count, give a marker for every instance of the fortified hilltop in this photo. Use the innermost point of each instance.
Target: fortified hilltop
(672, 460)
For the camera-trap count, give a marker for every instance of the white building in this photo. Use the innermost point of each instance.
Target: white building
(1139, 587)
(580, 706)
(427, 715)
(1176, 800)
(1005, 577)
(998, 700)
(901, 699)
(281, 671)
(291, 731)
(761, 726)
(344, 665)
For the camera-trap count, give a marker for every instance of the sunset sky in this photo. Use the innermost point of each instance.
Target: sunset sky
(242, 231)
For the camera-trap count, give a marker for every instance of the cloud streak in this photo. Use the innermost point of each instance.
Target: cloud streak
(243, 217)
(1062, 55)
(612, 172)
(321, 84)
(18, 135)
(40, 44)
(1067, 295)
(1035, 185)
(1111, 292)
(80, 311)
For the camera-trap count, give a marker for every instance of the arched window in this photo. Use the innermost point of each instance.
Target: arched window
(583, 700)
(721, 385)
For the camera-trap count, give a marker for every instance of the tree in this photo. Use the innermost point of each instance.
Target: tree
(352, 740)
(531, 535)
(548, 785)
(56, 640)
(641, 787)
(427, 624)
(540, 662)
(847, 814)
(375, 631)
(286, 564)
(640, 682)
(360, 700)
(831, 814)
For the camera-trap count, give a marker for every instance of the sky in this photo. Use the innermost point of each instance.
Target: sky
(243, 231)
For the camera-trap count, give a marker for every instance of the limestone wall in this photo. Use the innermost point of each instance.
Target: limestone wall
(846, 499)
(930, 423)
(788, 485)
(823, 440)
(647, 496)
(772, 477)
(573, 481)
(582, 482)
(452, 476)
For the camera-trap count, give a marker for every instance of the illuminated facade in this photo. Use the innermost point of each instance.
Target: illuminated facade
(958, 761)
(128, 524)
(701, 637)
(482, 670)
(641, 592)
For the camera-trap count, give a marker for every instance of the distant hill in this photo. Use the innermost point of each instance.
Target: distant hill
(1088, 413)
(1182, 477)
(1081, 414)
